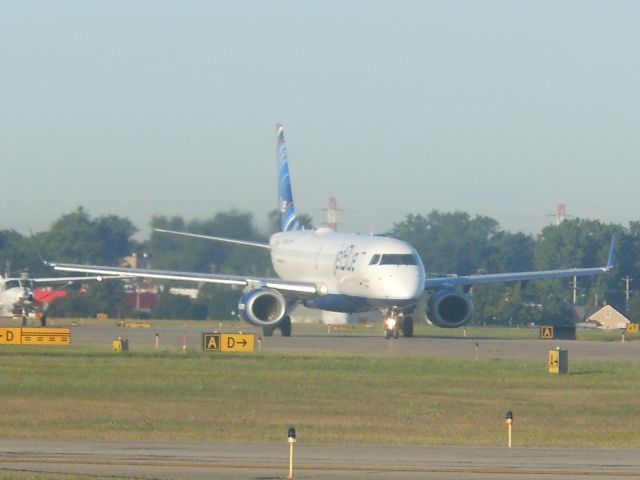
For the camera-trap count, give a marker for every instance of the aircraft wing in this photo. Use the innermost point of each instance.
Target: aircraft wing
(468, 280)
(512, 277)
(73, 279)
(275, 283)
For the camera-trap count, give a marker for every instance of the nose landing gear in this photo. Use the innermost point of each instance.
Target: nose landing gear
(395, 322)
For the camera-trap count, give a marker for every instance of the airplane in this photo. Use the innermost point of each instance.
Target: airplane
(340, 272)
(19, 298)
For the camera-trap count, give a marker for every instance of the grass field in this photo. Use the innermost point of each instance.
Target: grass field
(80, 393)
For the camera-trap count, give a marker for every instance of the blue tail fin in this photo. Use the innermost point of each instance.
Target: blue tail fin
(288, 220)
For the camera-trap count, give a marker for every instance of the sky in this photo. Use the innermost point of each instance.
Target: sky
(496, 108)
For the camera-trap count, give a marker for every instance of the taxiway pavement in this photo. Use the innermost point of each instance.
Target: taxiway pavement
(242, 461)
(174, 338)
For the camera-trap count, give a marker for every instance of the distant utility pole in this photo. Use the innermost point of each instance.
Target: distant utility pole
(626, 279)
(575, 288)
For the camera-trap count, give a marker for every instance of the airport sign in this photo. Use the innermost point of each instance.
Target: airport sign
(10, 336)
(229, 342)
(35, 336)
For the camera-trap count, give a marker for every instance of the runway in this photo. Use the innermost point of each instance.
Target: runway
(234, 461)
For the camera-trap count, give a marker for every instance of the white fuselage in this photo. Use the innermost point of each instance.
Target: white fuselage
(14, 294)
(382, 271)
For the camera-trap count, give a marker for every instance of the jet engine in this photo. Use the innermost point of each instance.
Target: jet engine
(449, 308)
(262, 307)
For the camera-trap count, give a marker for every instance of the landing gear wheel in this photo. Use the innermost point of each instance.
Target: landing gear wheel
(407, 327)
(285, 326)
(43, 321)
(267, 331)
(387, 334)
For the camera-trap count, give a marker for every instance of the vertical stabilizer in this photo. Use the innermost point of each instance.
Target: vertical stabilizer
(288, 220)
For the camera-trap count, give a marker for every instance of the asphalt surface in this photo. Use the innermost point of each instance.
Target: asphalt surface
(241, 461)
(235, 461)
(191, 338)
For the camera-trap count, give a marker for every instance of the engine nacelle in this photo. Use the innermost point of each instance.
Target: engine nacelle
(449, 308)
(262, 307)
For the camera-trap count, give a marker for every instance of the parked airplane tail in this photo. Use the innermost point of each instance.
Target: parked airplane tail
(288, 220)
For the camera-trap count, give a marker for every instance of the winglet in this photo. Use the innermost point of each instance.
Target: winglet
(38, 251)
(288, 220)
(42, 258)
(611, 262)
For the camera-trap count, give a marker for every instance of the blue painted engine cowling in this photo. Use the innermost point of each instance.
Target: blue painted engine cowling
(262, 307)
(449, 308)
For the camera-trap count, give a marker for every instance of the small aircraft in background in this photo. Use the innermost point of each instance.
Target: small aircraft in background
(341, 272)
(19, 297)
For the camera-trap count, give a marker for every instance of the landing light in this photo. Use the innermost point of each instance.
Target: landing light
(390, 323)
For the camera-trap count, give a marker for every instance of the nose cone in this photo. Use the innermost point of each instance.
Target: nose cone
(27, 298)
(401, 283)
(408, 284)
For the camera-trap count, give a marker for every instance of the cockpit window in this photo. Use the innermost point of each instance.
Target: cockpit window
(375, 259)
(398, 259)
(11, 284)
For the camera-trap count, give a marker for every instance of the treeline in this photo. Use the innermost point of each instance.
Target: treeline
(455, 243)
(449, 243)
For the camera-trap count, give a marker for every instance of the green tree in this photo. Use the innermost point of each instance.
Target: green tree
(100, 297)
(13, 254)
(179, 253)
(633, 312)
(449, 242)
(179, 307)
(76, 238)
(572, 244)
(274, 221)
(222, 302)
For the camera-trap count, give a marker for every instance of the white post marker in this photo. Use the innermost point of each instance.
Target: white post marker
(509, 422)
(292, 441)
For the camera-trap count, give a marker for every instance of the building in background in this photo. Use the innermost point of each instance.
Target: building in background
(608, 318)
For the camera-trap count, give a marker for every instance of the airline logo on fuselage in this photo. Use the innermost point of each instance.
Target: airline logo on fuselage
(346, 259)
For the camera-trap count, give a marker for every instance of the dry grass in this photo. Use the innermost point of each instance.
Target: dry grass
(331, 399)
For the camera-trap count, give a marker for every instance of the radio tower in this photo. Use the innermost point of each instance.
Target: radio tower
(561, 213)
(332, 214)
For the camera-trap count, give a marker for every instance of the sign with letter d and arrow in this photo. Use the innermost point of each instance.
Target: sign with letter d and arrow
(229, 342)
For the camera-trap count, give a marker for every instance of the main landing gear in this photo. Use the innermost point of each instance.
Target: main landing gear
(284, 326)
(396, 323)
